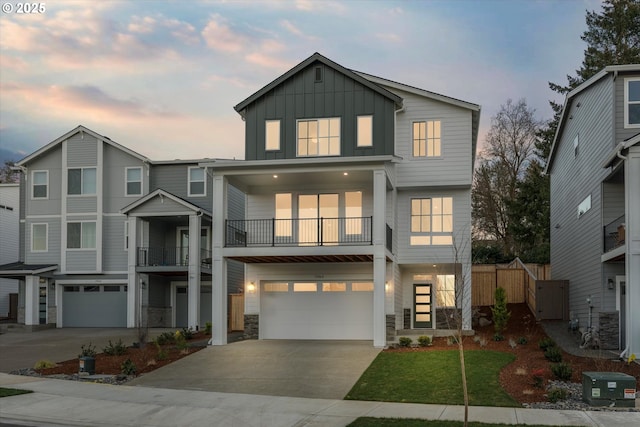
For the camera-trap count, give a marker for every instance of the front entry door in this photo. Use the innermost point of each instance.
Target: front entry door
(422, 306)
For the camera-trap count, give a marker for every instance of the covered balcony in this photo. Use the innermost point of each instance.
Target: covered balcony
(169, 257)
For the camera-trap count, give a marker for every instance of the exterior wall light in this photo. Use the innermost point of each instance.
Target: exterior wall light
(251, 287)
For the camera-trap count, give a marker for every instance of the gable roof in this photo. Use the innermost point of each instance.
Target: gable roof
(612, 69)
(316, 57)
(160, 193)
(79, 129)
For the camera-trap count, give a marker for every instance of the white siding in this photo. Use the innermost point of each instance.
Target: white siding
(9, 221)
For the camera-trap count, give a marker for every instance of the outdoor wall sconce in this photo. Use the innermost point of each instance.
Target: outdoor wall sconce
(610, 283)
(251, 287)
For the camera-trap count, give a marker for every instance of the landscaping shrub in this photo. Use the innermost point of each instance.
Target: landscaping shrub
(500, 313)
(562, 371)
(498, 337)
(117, 349)
(44, 364)
(556, 394)
(165, 338)
(162, 353)
(424, 340)
(553, 354)
(546, 343)
(404, 341)
(187, 333)
(522, 341)
(128, 367)
(207, 328)
(88, 351)
(537, 377)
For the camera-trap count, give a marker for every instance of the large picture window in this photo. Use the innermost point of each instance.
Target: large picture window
(432, 221)
(81, 235)
(81, 181)
(632, 102)
(319, 137)
(40, 184)
(426, 139)
(197, 186)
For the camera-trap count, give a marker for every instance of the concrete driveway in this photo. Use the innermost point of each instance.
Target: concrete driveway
(316, 369)
(23, 349)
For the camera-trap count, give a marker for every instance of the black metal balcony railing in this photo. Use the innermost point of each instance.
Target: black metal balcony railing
(299, 232)
(614, 234)
(169, 257)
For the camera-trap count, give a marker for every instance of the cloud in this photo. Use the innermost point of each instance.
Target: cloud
(290, 27)
(389, 37)
(142, 25)
(320, 6)
(14, 63)
(218, 36)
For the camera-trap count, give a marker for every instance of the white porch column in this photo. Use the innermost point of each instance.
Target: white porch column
(219, 264)
(193, 296)
(379, 257)
(32, 300)
(632, 262)
(132, 277)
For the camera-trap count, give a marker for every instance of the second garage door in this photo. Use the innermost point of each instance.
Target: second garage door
(311, 310)
(87, 306)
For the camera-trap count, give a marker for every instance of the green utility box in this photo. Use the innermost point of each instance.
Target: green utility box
(609, 389)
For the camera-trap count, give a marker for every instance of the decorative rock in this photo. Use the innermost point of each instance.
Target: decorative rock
(574, 400)
(484, 322)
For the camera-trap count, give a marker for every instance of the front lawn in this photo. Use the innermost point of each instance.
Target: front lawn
(6, 392)
(434, 377)
(410, 422)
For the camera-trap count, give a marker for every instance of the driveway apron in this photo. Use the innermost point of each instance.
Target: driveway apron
(315, 369)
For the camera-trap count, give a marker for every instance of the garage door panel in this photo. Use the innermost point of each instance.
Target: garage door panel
(316, 315)
(94, 309)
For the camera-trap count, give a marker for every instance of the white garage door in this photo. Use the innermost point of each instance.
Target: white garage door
(310, 310)
(103, 306)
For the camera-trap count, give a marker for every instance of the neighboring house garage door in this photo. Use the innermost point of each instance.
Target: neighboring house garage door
(96, 306)
(310, 310)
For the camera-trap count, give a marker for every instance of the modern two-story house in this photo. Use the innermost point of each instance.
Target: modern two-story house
(105, 237)
(595, 205)
(358, 201)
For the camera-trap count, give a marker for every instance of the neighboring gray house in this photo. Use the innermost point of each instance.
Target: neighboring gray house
(104, 237)
(595, 204)
(9, 223)
(357, 190)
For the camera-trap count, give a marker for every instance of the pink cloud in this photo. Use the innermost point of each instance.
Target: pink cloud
(220, 37)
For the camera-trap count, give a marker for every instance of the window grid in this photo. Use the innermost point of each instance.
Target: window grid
(432, 221)
(446, 290)
(319, 137)
(427, 138)
(40, 185)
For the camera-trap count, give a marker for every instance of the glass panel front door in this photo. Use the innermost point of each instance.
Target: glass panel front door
(422, 306)
(311, 207)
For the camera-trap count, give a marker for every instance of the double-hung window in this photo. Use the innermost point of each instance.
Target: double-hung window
(81, 181)
(133, 181)
(319, 137)
(432, 221)
(81, 235)
(632, 102)
(40, 184)
(427, 138)
(39, 237)
(197, 185)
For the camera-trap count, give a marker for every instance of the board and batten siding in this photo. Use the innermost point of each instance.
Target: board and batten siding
(622, 133)
(51, 162)
(114, 254)
(174, 179)
(115, 166)
(301, 97)
(576, 242)
(454, 166)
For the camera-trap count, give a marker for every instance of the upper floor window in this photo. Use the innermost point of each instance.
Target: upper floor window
(272, 135)
(319, 137)
(197, 186)
(584, 206)
(81, 235)
(432, 221)
(39, 237)
(426, 138)
(632, 102)
(81, 181)
(365, 131)
(133, 181)
(40, 184)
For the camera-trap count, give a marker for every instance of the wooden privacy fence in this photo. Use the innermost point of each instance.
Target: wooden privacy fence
(517, 279)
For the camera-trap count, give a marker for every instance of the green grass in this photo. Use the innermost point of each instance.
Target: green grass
(409, 422)
(6, 392)
(434, 377)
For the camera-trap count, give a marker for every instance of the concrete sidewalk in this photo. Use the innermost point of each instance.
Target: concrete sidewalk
(71, 403)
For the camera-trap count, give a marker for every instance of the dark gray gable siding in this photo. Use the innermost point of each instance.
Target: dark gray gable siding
(301, 97)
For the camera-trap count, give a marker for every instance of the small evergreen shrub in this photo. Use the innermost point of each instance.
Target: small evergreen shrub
(117, 349)
(207, 328)
(522, 340)
(562, 371)
(187, 333)
(165, 338)
(498, 337)
(546, 343)
(424, 340)
(500, 313)
(553, 354)
(88, 351)
(162, 353)
(44, 364)
(556, 394)
(128, 367)
(404, 341)
(537, 377)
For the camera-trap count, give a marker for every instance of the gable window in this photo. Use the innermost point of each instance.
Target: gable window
(432, 221)
(365, 131)
(81, 181)
(632, 102)
(133, 181)
(446, 290)
(40, 184)
(584, 206)
(197, 186)
(318, 74)
(272, 135)
(81, 235)
(426, 138)
(283, 215)
(39, 237)
(319, 137)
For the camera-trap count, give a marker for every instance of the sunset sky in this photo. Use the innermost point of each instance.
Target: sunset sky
(162, 77)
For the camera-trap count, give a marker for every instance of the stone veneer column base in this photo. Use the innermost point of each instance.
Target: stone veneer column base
(609, 332)
(251, 326)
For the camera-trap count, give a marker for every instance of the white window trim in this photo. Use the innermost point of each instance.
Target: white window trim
(82, 194)
(204, 180)
(426, 157)
(431, 234)
(80, 249)
(126, 181)
(358, 131)
(266, 133)
(46, 237)
(33, 183)
(318, 155)
(628, 125)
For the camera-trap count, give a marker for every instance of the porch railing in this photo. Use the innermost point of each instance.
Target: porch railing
(299, 232)
(169, 257)
(614, 234)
